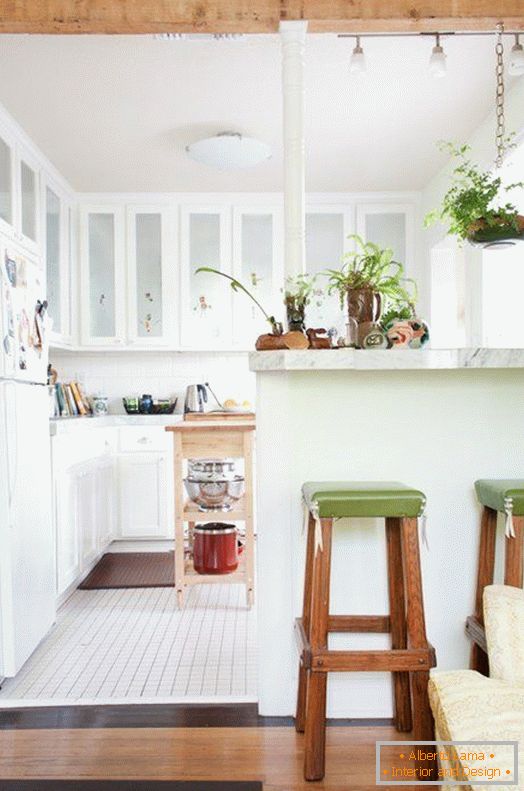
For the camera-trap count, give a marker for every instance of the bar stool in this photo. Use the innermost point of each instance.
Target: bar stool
(410, 657)
(496, 496)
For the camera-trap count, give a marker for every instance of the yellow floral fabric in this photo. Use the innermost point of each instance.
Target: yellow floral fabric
(470, 707)
(504, 622)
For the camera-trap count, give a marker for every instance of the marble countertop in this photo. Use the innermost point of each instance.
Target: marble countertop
(66, 425)
(385, 359)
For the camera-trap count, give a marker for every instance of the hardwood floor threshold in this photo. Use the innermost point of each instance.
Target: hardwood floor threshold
(129, 785)
(154, 715)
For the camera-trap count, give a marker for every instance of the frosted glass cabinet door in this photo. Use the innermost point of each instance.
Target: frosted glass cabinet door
(257, 261)
(388, 225)
(28, 175)
(326, 232)
(151, 275)
(102, 262)
(6, 182)
(53, 257)
(206, 297)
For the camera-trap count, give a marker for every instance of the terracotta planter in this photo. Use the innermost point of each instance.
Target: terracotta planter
(364, 304)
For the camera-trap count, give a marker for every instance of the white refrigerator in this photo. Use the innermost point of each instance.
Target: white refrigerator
(27, 555)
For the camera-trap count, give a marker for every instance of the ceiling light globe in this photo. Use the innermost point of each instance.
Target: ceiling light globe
(437, 62)
(357, 64)
(516, 61)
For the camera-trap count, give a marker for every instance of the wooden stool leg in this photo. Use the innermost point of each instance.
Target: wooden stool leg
(423, 726)
(315, 726)
(514, 555)
(303, 676)
(486, 569)
(397, 615)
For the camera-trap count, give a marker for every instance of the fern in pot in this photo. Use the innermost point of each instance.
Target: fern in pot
(473, 207)
(370, 281)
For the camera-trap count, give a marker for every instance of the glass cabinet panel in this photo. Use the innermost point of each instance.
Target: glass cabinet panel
(255, 267)
(28, 188)
(208, 295)
(325, 246)
(101, 258)
(53, 257)
(149, 286)
(6, 188)
(387, 229)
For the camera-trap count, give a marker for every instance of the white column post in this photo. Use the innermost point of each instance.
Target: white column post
(293, 36)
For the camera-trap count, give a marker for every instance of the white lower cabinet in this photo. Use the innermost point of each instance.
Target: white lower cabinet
(143, 493)
(108, 484)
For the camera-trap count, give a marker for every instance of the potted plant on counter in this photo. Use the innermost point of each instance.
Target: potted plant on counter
(368, 282)
(297, 295)
(472, 207)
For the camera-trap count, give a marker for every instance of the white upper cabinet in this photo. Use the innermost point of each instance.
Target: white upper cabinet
(327, 229)
(102, 275)
(258, 265)
(152, 276)
(206, 298)
(7, 187)
(57, 250)
(29, 201)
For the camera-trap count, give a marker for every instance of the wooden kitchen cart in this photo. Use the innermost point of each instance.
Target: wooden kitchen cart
(225, 440)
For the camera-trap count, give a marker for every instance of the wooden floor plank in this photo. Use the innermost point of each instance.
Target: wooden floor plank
(272, 755)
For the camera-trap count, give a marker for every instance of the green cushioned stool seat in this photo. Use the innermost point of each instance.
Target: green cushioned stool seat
(335, 499)
(499, 494)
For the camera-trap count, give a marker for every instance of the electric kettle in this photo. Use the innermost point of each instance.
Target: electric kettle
(196, 397)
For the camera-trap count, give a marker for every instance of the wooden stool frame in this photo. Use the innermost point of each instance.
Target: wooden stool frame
(220, 441)
(513, 575)
(409, 659)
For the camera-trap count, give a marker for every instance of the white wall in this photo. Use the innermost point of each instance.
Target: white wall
(435, 430)
(162, 374)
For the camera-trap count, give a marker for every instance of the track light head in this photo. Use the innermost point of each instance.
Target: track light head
(357, 64)
(437, 61)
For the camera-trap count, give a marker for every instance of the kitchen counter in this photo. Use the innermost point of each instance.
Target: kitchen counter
(385, 359)
(68, 425)
(436, 420)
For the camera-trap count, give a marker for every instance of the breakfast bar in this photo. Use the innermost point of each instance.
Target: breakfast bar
(440, 419)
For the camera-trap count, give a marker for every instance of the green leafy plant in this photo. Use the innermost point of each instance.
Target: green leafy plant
(399, 313)
(470, 205)
(237, 286)
(297, 295)
(372, 267)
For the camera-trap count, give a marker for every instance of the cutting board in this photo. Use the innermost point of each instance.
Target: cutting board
(211, 417)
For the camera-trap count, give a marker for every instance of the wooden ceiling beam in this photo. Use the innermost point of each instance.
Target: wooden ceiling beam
(255, 16)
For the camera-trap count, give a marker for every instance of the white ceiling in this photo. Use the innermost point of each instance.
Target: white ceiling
(114, 113)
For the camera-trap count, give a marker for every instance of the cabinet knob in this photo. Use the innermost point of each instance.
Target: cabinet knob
(144, 441)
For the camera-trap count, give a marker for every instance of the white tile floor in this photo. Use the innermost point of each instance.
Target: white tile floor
(134, 645)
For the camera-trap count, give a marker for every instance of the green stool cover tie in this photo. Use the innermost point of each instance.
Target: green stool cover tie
(339, 499)
(505, 496)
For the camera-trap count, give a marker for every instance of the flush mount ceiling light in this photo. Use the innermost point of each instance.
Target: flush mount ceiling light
(357, 64)
(516, 61)
(437, 61)
(229, 151)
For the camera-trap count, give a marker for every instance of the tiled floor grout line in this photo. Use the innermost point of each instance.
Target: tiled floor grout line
(195, 651)
(144, 652)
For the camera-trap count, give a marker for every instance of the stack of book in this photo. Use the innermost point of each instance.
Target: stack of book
(70, 400)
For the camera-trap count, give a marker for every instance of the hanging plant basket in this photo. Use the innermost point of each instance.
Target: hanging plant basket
(494, 236)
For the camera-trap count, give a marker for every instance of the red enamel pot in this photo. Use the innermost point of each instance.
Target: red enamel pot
(216, 548)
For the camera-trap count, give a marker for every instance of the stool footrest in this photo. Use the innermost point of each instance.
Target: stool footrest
(476, 633)
(360, 624)
(392, 660)
(395, 660)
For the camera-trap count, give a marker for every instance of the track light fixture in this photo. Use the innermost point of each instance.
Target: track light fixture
(437, 61)
(516, 61)
(357, 64)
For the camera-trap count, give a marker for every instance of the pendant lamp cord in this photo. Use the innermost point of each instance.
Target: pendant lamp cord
(500, 136)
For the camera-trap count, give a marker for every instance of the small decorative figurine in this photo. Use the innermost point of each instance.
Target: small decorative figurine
(407, 333)
(316, 341)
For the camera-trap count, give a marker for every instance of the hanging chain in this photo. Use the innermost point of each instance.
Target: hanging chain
(500, 136)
